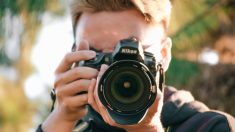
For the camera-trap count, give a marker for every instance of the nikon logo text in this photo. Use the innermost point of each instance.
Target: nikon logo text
(129, 51)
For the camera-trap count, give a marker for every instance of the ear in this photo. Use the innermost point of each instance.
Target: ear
(166, 53)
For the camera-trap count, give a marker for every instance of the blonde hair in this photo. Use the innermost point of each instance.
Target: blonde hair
(152, 10)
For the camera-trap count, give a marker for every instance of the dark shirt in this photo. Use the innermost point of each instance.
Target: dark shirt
(180, 113)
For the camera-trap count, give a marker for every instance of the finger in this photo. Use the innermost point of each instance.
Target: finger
(103, 111)
(101, 108)
(103, 68)
(101, 72)
(91, 99)
(95, 92)
(74, 74)
(75, 102)
(72, 57)
(73, 88)
(155, 109)
(93, 102)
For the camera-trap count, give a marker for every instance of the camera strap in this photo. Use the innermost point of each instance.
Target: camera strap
(53, 98)
(160, 76)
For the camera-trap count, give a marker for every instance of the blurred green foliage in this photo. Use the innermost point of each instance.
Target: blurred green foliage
(8, 4)
(17, 6)
(181, 72)
(204, 19)
(4, 60)
(32, 6)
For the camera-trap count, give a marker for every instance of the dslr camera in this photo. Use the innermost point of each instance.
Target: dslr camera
(127, 88)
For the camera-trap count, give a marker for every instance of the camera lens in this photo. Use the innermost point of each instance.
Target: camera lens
(127, 87)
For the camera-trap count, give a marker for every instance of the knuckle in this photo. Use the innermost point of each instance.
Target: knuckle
(112, 123)
(77, 70)
(58, 81)
(55, 84)
(59, 94)
(56, 72)
(84, 98)
(90, 101)
(65, 103)
(67, 57)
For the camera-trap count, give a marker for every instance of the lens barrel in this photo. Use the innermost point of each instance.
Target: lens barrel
(127, 88)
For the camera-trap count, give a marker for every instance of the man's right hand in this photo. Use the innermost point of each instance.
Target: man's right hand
(70, 105)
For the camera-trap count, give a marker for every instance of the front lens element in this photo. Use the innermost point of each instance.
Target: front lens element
(127, 87)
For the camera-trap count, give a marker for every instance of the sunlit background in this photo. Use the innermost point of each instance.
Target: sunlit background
(35, 35)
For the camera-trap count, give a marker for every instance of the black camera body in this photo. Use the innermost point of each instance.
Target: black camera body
(127, 88)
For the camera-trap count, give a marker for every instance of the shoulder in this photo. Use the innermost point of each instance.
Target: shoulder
(182, 112)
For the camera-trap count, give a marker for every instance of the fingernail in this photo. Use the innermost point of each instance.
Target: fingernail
(92, 53)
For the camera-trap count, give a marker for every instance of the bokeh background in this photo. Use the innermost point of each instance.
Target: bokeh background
(35, 35)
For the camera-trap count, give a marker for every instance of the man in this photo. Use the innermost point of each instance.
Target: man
(99, 25)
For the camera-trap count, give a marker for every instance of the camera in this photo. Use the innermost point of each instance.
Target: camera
(128, 87)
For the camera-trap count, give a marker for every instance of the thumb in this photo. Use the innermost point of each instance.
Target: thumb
(103, 68)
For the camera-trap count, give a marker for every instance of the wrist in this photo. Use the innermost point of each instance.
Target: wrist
(55, 122)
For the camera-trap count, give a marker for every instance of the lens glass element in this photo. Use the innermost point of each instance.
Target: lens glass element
(127, 87)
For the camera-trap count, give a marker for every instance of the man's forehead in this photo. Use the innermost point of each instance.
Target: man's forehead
(107, 26)
(105, 29)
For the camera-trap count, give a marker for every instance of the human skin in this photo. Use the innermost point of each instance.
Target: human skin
(102, 31)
